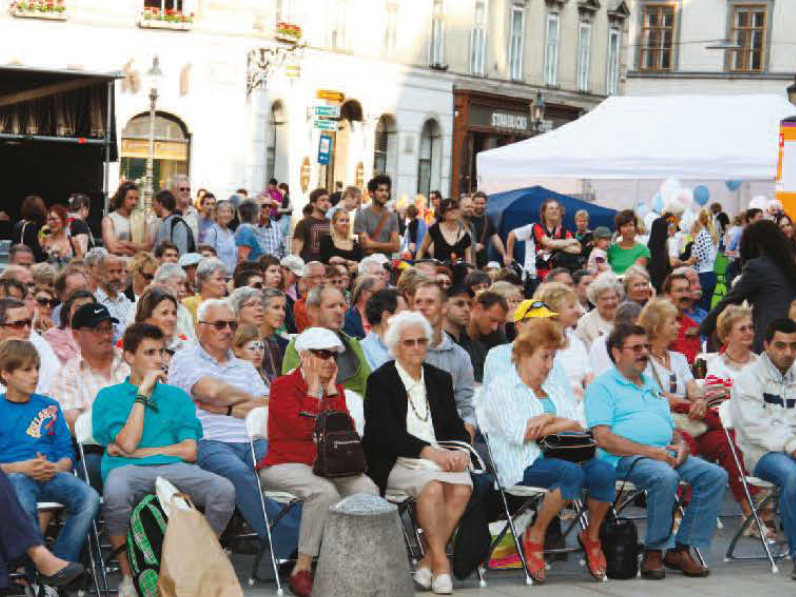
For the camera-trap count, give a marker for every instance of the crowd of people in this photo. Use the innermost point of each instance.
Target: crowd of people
(181, 321)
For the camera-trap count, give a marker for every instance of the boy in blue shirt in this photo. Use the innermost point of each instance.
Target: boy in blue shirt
(36, 450)
(151, 430)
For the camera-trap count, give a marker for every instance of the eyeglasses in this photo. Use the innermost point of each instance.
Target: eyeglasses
(221, 324)
(20, 324)
(413, 342)
(43, 302)
(255, 345)
(323, 354)
(184, 189)
(638, 348)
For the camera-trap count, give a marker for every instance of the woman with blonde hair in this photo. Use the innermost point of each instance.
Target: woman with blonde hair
(737, 334)
(706, 245)
(339, 247)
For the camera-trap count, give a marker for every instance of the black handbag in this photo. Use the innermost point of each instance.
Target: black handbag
(572, 446)
(338, 447)
(619, 541)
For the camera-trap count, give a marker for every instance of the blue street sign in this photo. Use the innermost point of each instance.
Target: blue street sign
(324, 149)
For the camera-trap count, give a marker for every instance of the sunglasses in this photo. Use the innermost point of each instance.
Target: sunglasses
(20, 324)
(43, 302)
(638, 348)
(412, 342)
(534, 306)
(147, 277)
(255, 345)
(324, 355)
(221, 324)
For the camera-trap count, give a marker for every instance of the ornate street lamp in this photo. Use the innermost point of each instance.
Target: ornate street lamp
(154, 77)
(537, 113)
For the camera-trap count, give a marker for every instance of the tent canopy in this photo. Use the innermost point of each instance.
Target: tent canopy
(517, 208)
(691, 137)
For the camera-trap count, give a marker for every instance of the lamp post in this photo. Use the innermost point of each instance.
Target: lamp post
(792, 92)
(537, 113)
(154, 75)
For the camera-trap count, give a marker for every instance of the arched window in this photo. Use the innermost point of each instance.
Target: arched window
(171, 153)
(428, 158)
(385, 150)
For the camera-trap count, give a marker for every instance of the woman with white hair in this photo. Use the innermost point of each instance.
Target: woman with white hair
(291, 448)
(636, 282)
(211, 283)
(409, 408)
(605, 292)
(247, 303)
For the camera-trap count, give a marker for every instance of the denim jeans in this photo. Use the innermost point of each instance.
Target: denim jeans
(780, 469)
(234, 462)
(661, 481)
(93, 466)
(595, 475)
(81, 502)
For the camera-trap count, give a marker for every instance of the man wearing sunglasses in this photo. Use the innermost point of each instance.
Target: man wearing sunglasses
(225, 389)
(16, 322)
(181, 189)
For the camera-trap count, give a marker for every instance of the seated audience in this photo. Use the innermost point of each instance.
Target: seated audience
(523, 409)
(45, 303)
(141, 271)
(211, 283)
(737, 334)
(248, 345)
(633, 426)
(150, 430)
(409, 407)
(637, 284)
(677, 289)
(274, 344)
(457, 315)
(484, 330)
(16, 322)
(291, 450)
(70, 279)
(247, 304)
(60, 337)
(600, 362)
(605, 293)
(313, 276)
(356, 320)
(381, 306)
(112, 281)
(158, 307)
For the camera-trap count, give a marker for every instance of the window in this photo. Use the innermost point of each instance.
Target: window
(428, 158)
(612, 85)
(385, 146)
(338, 13)
(749, 22)
(516, 42)
(551, 50)
(657, 37)
(584, 56)
(390, 29)
(478, 40)
(172, 148)
(164, 5)
(437, 46)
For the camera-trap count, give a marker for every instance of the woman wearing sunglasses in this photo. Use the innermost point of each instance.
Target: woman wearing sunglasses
(409, 408)
(295, 401)
(141, 269)
(45, 303)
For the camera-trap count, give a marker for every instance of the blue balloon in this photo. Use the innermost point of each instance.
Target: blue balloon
(733, 185)
(657, 203)
(702, 195)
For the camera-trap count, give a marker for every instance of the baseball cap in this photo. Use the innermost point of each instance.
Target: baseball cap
(190, 259)
(602, 232)
(294, 263)
(91, 315)
(533, 309)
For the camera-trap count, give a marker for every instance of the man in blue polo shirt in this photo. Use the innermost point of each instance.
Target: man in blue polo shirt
(151, 430)
(633, 426)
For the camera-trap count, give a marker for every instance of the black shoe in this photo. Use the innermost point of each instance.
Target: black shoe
(64, 576)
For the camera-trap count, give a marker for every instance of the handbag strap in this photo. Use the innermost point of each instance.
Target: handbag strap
(624, 482)
(464, 447)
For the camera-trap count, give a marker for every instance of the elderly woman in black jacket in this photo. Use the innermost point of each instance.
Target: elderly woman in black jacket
(768, 279)
(409, 407)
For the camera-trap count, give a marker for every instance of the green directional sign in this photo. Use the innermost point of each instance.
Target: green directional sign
(327, 111)
(325, 125)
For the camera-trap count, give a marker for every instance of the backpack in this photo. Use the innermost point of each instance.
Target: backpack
(145, 544)
(191, 248)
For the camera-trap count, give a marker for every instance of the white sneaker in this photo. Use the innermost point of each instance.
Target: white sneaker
(442, 584)
(127, 588)
(423, 577)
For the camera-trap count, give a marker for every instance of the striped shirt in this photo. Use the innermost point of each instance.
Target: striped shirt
(118, 308)
(192, 363)
(77, 384)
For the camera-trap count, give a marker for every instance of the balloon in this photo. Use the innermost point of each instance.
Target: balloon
(733, 185)
(686, 221)
(642, 209)
(657, 203)
(702, 195)
(669, 189)
(759, 202)
(685, 197)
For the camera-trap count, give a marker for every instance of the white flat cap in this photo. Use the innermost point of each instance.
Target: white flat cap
(190, 259)
(318, 339)
(294, 263)
(379, 258)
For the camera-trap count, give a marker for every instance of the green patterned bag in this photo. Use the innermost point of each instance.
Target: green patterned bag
(145, 543)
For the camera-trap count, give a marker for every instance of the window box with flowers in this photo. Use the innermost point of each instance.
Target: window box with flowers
(53, 10)
(288, 32)
(171, 18)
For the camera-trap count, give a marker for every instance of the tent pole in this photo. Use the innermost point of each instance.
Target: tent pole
(77, 140)
(107, 165)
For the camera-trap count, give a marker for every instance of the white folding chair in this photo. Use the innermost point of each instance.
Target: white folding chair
(725, 414)
(257, 428)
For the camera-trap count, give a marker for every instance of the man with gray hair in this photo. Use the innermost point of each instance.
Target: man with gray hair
(112, 281)
(627, 312)
(225, 389)
(211, 283)
(170, 276)
(22, 255)
(374, 265)
(92, 259)
(181, 189)
(314, 275)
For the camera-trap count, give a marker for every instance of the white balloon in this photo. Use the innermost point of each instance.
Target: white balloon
(685, 197)
(759, 202)
(669, 189)
(686, 221)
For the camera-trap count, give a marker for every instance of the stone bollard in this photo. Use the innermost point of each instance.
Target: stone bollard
(363, 552)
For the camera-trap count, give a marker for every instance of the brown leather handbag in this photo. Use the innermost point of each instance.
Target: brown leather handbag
(338, 447)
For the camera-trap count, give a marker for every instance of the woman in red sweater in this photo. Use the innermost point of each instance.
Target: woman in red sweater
(295, 400)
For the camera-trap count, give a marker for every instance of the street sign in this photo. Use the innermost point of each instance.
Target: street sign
(325, 125)
(331, 96)
(327, 111)
(324, 149)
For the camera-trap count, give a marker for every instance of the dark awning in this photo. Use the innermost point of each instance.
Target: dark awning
(67, 106)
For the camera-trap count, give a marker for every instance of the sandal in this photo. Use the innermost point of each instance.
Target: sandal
(595, 559)
(536, 566)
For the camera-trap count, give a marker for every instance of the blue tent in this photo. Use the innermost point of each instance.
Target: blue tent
(513, 209)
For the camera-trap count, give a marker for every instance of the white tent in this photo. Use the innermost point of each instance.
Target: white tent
(690, 137)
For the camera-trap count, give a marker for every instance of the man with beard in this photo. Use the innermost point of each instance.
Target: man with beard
(485, 233)
(113, 277)
(457, 315)
(633, 426)
(376, 226)
(677, 289)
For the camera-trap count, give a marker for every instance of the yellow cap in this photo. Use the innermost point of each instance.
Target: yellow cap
(533, 309)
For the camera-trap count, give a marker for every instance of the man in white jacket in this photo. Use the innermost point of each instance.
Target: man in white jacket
(763, 408)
